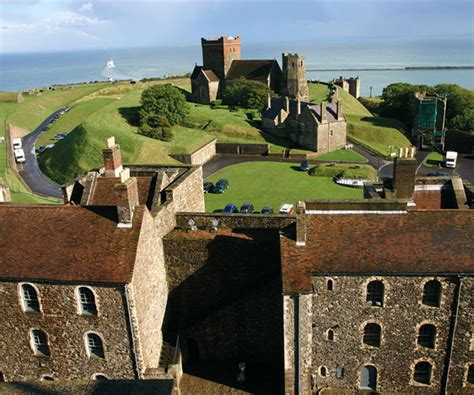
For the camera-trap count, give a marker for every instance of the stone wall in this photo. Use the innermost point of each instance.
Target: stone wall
(345, 311)
(331, 136)
(65, 328)
(200, 156)
(242, 149)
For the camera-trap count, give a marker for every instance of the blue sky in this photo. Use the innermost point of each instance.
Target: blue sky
(51, 25)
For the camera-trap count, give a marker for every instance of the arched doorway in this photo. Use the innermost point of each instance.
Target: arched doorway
(368, 377)
(192, 348)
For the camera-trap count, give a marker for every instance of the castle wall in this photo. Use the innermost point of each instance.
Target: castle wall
(331, 136)
(65, 328)
(200, 156)
(345, 311)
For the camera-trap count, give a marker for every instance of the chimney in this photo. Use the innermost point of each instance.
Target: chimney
(301, 224)
(112, 158)
(339, 114)
(287, 104)
(324, 116)
(404, 171)
(298, 106)
(126, 194)
(269, 101)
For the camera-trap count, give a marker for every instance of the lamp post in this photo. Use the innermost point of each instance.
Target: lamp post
(390, 148)
(370, 91)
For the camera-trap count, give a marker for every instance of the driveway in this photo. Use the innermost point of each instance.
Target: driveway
(30, 171)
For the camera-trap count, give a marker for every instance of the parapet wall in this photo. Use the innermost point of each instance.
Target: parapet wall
(359, 205)
(242, 149)
(200, 156)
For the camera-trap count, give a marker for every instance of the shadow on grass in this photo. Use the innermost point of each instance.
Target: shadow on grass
(433, 162)
(131, 115)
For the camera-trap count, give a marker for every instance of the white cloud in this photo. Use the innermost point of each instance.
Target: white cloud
(86, 7)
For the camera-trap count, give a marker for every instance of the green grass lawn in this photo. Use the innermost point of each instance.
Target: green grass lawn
(318, 92)
(434, 159)
(270, 184)
(343, 155)
(8, 97)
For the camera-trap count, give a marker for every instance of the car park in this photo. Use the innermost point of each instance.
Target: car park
(222, 182)
(208, 186)
(247, 208)
(304, 165)
(230, 208)
(267, 210)
(286, 208)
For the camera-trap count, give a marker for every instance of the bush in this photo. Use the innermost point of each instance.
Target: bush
(156, 127)
(246, 94)
(166, 101)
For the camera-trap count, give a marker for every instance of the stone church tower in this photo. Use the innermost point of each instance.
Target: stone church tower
(218, 54)
(294, 83)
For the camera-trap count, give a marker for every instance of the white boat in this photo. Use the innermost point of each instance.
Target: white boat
(110, 64)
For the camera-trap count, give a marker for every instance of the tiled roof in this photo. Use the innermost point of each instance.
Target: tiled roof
(331, 111)
(211, 76)
(250, 69)
(417, 242)
(67, 243)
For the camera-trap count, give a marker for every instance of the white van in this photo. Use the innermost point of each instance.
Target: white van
(16, 143)
(19, 155)
(451, 158)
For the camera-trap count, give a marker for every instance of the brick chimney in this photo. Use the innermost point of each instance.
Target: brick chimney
(298, 106)
(126, 194)
(112, 158)
(300, 224)
(324, 116)
(287, 104)
(404, 170)
(339, 114)
(269, 101)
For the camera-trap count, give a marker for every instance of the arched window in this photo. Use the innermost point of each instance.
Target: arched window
(46, 377)
(422, 373)
(432, 293)
(94, 345)
(322, 371)
(470, 374)
(427, 336)
(99, 376)
(39, 343)
(29, 297)
(330, 335)
(87, 301)
(372, 334)
(375, 293)
(329, 285)
(368, 377)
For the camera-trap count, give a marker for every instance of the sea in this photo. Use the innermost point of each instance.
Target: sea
(368, 58)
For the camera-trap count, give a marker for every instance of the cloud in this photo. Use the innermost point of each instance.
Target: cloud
(86, 7)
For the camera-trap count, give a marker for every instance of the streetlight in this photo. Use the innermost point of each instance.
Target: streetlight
(390, 148)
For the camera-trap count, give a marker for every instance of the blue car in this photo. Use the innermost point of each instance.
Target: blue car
(267, 210)
(218, 188)
(304, 165)
(222, 183)
(247, 208)
(230, 209)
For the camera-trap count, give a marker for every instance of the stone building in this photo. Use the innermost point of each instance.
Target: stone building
(83, 285)
(351, 85)
(222, 65)
(318, 127)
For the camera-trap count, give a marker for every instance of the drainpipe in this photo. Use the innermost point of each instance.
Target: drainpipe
(297, 346)
(452, 335)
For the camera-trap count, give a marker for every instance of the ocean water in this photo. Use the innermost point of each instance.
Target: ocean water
(21, 71)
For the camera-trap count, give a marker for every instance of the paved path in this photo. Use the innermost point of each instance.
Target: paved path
(30, 171)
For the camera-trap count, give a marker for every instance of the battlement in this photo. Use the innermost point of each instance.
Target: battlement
(220, 40)
(291, 55)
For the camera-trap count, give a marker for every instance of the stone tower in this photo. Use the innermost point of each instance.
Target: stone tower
(294, 83)
(218, 54)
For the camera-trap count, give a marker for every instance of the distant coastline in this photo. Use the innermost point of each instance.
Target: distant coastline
(400, 68)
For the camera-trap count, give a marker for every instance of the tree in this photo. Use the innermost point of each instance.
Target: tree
(156, 127)
(246, 94)
(166, 101)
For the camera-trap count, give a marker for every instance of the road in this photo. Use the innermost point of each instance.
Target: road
(30, 171)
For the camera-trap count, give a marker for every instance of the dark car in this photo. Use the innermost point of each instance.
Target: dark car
(222, 182)
(304, 165)
(437, 174)
(230, 209)
(41, 149)
(208, 186)
(247, 208)
(267, 210)
(218, 188)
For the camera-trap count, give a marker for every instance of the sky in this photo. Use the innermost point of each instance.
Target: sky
(63, 25)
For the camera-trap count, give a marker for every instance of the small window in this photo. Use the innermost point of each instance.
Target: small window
(323, 371)
(330, 335)
(94, 345)
(87, 301)
(46, 378)
(470, 374)
(372, 335)
(375, 291)
(432, 293)
(422, 373)
(427, 336)
(301, 63)
(340, 373)
(29, 297)
(329, 285)
(368, 377)
(39, 343)
(331, 133)
(292, 64)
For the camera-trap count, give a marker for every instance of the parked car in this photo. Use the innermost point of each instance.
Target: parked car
(41, 149)
(267, 210)
(304, 165)
(230, 209)
(286, 208)
(208, 186)
(247, 208)
(223, 182)
(49, 146)
(16, 144)
(19, 155)
(218, 188)
(58, 137)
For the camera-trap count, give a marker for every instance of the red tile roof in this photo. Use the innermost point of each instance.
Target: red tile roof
(67, 243)
(418, 242)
